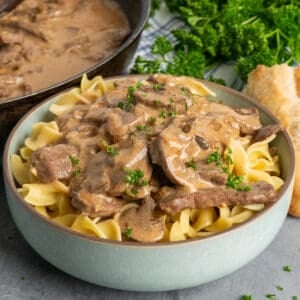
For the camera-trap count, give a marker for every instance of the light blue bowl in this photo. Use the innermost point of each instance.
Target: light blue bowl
(150, 267)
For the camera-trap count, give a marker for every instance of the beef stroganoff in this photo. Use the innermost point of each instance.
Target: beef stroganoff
(148, 160)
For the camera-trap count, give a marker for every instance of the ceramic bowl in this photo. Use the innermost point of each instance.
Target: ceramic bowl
(137, 13)
(154, 266)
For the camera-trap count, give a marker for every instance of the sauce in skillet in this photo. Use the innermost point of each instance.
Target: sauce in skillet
(45, 42)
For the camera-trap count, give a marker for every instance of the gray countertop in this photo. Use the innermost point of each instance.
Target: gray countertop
(25, 275)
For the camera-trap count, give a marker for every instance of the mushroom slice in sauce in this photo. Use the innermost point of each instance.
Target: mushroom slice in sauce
(266, 132)
(144, 226)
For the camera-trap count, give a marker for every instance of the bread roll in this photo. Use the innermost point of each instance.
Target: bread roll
(278, 89)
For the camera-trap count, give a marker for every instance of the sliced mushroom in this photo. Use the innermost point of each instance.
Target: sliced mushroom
(144, 226)
(266, 132)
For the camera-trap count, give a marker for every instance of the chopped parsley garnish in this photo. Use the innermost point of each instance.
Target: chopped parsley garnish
(128, 232)
(109, 149)
(157, 86)
(287, 268)
(76, 173)
(157, 102)
(184, 90)
(151, 121)
(172, 113)
(135, 177)
(126, 105)
(191, 164)
(163, 114)
(215, 157)
(233, 181)
(171, 100)
(142, 127)
(246, 297)
(74, 160)
(279, 287)
(228, 157)
(271, 296)
(295, 298)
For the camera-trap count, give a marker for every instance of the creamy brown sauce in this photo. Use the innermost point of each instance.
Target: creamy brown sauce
(148, 142)
(45, 42)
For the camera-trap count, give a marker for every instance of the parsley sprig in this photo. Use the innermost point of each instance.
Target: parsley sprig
(109, 149)
(249, 32)
(233, 181)
(135, 178)
(128, 232)
(128, 103)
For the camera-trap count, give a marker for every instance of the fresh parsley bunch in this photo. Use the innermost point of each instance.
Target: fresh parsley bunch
(249, 32)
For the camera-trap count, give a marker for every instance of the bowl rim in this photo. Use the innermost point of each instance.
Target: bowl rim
(134, 34)
(7, 174)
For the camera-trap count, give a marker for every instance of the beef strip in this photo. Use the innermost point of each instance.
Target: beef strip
(177, 145)
(52, 163)
(96, 205)
(260, 192)
(120, 123)
(105, 175)
(211, 172)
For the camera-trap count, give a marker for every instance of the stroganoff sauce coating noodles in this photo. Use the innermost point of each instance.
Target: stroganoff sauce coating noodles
(150, 160)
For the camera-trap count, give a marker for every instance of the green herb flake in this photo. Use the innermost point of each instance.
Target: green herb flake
(172, 113)
(228, 157)
(163, 114)
(184, 91)
(279, 287)
(74, 160)
(128, 232)
(133, 176)
(157, 87)
(271, 296)
(142, 127)
(214, 157)
(152, 121)
(191, 164)
(76, 172)
(143, 182)
(126, 105)
(109, 149)
(287, 268)
(295, 298)
(246, 297)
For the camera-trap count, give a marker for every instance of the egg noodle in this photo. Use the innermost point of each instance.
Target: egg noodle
(254, 162)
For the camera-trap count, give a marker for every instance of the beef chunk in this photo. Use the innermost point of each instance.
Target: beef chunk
(52, 163)
(96, 205)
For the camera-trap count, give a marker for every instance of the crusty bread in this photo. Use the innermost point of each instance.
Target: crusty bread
(278, 89)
